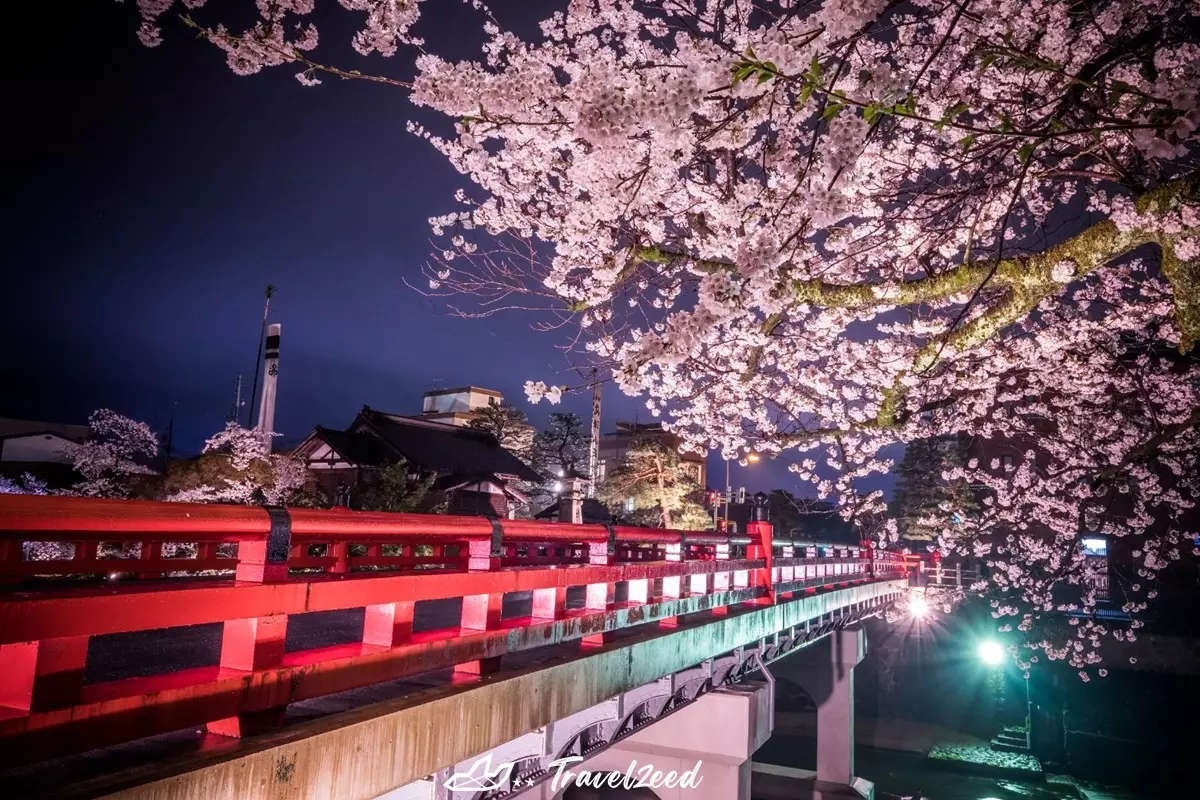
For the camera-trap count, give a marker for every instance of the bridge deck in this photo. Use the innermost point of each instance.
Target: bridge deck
(410, 594)
(365, 751)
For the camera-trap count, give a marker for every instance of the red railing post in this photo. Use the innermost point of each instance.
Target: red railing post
(721, 579)
(672, 585)
(389, 624)
(250, 645)
(340, 553)
(266, 560)
(482, 612)
(43, 675)
(149, 552)
(761, 547)
(599, 596)
(549, 603)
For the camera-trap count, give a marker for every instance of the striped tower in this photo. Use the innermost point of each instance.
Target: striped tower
(266, 410)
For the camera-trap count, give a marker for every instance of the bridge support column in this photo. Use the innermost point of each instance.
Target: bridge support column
(826, 671)
(715, 737)
(248, 645)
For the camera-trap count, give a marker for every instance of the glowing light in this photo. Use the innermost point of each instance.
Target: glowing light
(558, 486)
(918, 607)
(991, 652)
(752, 457)
(112, 576)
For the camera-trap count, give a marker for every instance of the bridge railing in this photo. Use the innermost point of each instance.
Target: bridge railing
(116, 570)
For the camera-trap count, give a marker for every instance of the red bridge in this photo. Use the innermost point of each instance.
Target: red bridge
(509, 628)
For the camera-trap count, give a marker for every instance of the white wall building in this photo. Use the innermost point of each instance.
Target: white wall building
(457, 406)
(40, 442)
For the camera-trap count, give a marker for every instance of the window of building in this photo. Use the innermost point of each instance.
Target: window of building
(1006, 461)
(629, 504)
(491, 401)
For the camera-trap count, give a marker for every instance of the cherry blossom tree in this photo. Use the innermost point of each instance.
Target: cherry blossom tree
(823, 228)
(236, 466)
(26, 484)
(114, 457)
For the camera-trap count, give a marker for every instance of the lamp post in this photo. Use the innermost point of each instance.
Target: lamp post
(991, 653)
(751, 458)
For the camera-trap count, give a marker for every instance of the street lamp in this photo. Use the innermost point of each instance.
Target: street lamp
(751, 458)
(991, 652)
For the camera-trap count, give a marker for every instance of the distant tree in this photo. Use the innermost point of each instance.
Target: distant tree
(922, 494)
(511, 428)
(563, 445)
(35, 551)
(558, 451)
(807, 519)
(113, 459)
(236, 466)
(26, 484)
(509, 425)
(398, 488)
(661, 490)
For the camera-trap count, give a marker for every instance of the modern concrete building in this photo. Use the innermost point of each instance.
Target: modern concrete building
(457, 406)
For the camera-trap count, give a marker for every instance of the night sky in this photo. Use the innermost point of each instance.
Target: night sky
(151, 194)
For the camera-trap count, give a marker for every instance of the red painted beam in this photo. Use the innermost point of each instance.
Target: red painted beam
(138, 707)
(121, 608)
(46, 518)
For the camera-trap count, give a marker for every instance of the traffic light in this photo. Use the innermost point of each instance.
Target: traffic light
(713, 498)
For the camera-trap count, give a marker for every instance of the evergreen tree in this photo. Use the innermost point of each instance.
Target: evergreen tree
(923, 498)
(563, 445)
(663, 494)
(559, 451)
(398, 488)
(510, 427)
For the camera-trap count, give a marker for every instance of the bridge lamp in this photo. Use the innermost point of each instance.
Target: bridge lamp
(918, 607)
(991, 652)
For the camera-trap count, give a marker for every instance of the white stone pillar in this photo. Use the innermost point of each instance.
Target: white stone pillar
(719, 732)
(825, 669)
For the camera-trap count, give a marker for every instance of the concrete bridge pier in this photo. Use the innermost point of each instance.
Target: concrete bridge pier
(714, 737)
(825, 669)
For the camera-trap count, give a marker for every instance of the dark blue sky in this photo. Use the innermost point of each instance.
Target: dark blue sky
(151, 195)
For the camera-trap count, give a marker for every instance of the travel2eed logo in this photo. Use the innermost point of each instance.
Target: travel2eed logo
(483, 778)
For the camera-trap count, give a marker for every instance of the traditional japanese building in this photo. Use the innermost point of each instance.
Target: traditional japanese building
(45, 450)
(472, 473)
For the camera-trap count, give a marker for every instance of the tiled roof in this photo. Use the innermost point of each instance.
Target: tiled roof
(376, 438)
(445, 448)
(25, 427)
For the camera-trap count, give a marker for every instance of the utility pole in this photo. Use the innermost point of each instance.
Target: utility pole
(169, 444)
(594, 450)
(262, 335)
(235, 413)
